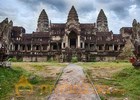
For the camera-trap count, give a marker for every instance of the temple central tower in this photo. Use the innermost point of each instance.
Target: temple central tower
(72, 30)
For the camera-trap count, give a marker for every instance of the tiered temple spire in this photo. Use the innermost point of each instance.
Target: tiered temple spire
(102, 23)
(73, 15)
(43, 22)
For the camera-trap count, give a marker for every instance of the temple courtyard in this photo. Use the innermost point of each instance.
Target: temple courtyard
(116, 80)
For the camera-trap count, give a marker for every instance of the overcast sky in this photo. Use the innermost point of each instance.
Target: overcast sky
(120, 13)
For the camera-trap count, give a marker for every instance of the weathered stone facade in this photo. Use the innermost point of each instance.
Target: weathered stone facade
(62, 41)
(5, 30)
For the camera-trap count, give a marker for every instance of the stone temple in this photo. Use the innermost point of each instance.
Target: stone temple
(62, 41)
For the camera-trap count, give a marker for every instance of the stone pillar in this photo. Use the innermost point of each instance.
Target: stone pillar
(26, 48)
(48, 48)
(119, 47)
(31, 47)
(13, 47)
(78, 41)
(31, 50)
(66, 41)
(18, 46)
(62, 46)
(83, 45)
(113, 47)
(88, 46)
(104, 47)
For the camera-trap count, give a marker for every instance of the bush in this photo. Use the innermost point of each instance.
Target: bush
(74, 59)
(14, 59)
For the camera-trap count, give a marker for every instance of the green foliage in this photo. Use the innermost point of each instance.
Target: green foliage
(14, 59)
(93, 58)
(34, 79)
(74, 59)
(51, 60)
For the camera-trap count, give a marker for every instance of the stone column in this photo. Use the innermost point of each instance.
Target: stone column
(31, 50)
(88, 46)
(48, 47)
(66, 40)
(41, 48)
(13, 47)
(78, 41)
(83, 45)
(18, 47)
(118, 47)
(62, 46)
(113, 47)
(26, 49)
(104, 47)
(31, 47)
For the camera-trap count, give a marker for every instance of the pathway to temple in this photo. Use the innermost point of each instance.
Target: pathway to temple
(74, 85)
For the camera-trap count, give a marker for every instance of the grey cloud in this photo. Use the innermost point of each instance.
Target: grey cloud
(137, 2)
(86, 8)
(53, 3)
(25, 12)
(103, 1)
(120, 11)
(119, 7)
(8, 12)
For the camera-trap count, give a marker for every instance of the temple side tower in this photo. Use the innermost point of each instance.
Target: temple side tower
(102, 23)
(43, 22)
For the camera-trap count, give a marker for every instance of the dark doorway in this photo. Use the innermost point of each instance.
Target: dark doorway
(73, 43)
(72, 39)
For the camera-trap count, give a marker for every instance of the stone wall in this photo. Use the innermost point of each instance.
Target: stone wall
(105, 58)
(34, 59)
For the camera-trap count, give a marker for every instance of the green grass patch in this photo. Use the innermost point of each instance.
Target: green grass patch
(8, 78)
(129, 79)
(105, 64)
(38, 67)
(38, 64)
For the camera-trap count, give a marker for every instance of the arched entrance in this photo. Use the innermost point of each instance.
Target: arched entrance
(72, 40)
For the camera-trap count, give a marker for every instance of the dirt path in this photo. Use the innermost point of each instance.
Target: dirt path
(73, 85)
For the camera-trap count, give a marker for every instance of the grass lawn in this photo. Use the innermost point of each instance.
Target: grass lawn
(9, 77)
(121, 76)
(115, 79)
(22, 64)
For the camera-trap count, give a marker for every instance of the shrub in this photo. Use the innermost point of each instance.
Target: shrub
(14, 59)
(74, 59)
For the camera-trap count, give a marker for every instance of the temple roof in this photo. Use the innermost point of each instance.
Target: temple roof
(101, 15)
(40, 34)
(73, 14)
(43, 22)
(43, 16)
(127, 30)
